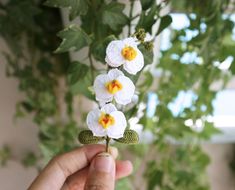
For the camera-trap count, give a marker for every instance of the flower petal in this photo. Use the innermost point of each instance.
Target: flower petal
(102, 103)
(135, 65)
(117, 130)
(130, 42)
(124, 96)
(108, 108)
(100, 90)
(114, 57)
(93, 124)
(114, 73)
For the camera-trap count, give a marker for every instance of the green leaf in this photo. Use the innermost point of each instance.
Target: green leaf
(99, 49)
(148, 19)
(74, 38)
(76, 7)
(5, 154)
(232, 67)
(113, 15)
(164, 23)
(209, 130)
(30, 159)
(86, 137)
(147, 81)
(44, 66)
(148, 55)
(155, 179)
(49, 149)
(16, 18)
(124, 183)
(146, 4)
(154, 175)
(76, 72)
(27, 106)
(57, 3)
(83, 87)
(129, 137)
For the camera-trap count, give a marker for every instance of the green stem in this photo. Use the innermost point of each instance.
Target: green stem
(107, 144)
(134, 17)
(91, 65)
(130, 17)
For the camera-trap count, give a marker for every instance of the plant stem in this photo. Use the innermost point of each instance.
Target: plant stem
(130, 17)
(92, 65)
(107, 144)
(134, 17)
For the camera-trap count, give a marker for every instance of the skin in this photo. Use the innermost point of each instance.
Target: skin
(86, 168)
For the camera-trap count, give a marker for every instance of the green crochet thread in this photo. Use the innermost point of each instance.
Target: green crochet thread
(129, 137)
(86, 137)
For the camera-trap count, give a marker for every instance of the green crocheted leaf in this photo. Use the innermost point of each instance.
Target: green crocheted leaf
(86, 137)
(129, 137)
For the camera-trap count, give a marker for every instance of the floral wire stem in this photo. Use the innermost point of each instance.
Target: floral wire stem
(107, 144)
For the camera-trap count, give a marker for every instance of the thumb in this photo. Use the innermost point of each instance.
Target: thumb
(101, 175)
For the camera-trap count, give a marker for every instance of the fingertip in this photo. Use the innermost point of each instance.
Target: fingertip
(123, 168)
(101, 174)
(103, 162)
(92, 150)
(114, 152)
(129, 166)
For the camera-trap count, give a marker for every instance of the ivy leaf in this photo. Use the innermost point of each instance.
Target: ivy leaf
(155, 179)
(232, 67)
(164, 23)
(77, 71)
(147, 82)
(129, 137)
(83, 87)
(154, 175)
(5, 154)
(30, 159)
(146, 4)
(148, 55)
(148, 19)
(113, 15)
(99, 49)
(76, 7)
(74, 38)
(209, 130)
(148, 59)
(86, 137)
(16, 18)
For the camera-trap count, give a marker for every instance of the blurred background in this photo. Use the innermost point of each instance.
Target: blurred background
(50, 52)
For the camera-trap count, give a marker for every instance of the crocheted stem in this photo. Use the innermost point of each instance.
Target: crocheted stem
(107, 144)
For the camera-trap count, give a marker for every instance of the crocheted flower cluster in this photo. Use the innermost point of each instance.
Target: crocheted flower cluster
(115, 87)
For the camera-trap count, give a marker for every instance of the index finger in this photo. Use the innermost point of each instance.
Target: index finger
(59, 168)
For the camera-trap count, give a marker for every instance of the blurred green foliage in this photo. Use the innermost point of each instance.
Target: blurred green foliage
(51, 82)
(5, 154)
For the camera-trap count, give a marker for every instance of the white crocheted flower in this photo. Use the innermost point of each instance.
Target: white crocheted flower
(125, 52)
(114, 85)
(107, 121)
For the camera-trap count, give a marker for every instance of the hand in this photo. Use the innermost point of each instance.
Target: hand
(86, 168)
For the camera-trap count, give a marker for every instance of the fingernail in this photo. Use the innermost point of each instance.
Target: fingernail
(104, 163)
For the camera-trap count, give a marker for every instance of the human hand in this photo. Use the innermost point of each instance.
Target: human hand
(86, 168)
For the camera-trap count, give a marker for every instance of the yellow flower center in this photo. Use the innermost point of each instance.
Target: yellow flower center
(129, 53)
(113, 86)
(106, 120)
